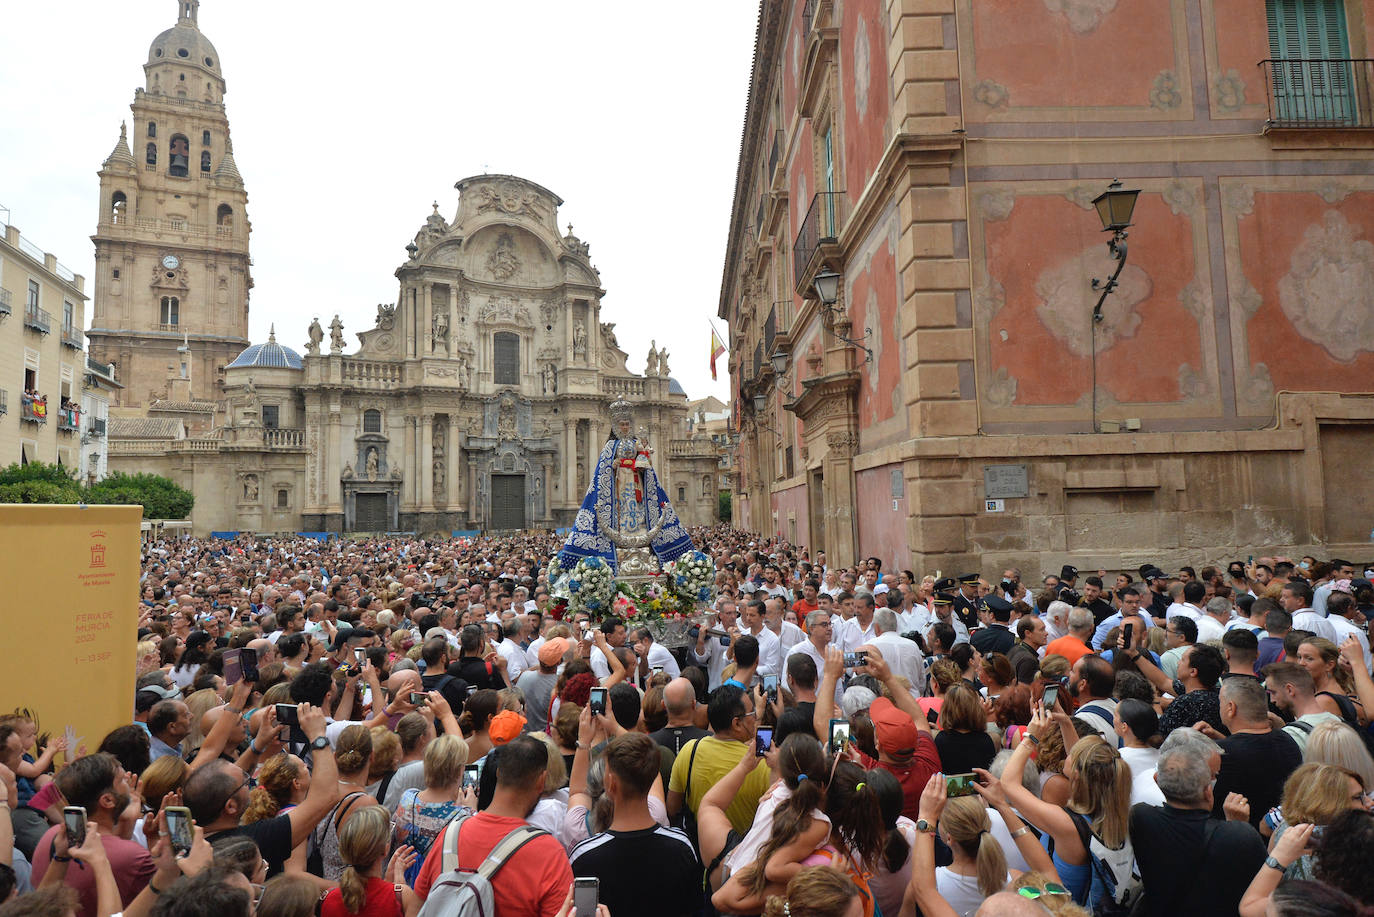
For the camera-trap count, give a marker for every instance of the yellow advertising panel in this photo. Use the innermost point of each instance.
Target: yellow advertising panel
(69, 616)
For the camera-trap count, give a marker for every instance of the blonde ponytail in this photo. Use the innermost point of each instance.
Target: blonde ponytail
(363, 840)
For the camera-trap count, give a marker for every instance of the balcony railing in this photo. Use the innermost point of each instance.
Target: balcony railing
(823, 220)
(287, 439)
(758, 219)
(770, 329)
(4, 401)
(168, 326)
(97, 426)
(95, 366)
(72, 337)
(1319, 93)
(370, 373)
(775, 154)
(34, 410)
(69, 420)
(37, 319)
(6, 297)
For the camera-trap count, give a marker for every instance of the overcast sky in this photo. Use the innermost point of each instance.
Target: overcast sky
(349, 118)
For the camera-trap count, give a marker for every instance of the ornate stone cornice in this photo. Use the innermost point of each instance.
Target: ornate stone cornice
(825, 396)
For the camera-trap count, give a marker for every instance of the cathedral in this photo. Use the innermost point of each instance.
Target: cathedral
(477, 401)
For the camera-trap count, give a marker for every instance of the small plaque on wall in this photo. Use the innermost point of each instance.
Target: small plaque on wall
(1001, 482)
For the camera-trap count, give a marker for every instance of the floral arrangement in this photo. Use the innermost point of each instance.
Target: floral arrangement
(693, 576)
(589, 586)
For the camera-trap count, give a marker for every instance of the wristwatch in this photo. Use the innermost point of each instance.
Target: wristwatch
(320, 744)
(924, 826)
(1274, 864)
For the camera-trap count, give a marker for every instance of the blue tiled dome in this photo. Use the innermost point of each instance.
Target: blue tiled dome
(675, 387)
(270, 355)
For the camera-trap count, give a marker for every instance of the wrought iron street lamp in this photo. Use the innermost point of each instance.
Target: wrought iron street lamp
(827, 285)
(778, 359)
(1114, 208)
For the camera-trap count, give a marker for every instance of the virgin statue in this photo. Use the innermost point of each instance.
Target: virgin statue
(626, 518)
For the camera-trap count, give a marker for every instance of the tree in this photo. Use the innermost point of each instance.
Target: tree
(160, 497)
(38, 482)
(724, 506)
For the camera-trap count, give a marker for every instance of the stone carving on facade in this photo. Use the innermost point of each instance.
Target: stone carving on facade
(1083, 16)
(440, 486)
(502, 261)
(663, 362)
(442, 372)
(316, 334)
(1066, 301)
(1325, 294)
(548, 313)
(509, 198)
(439, 444)
(843, 443)
(435, 228)
(505, 309)
(651, 361)
(574, 245)
(336, 338)
(170, 280)
(549, 378)
(441, 326)
(506, 418)
(580, 340)
(347, 474)
(1001, 389)
(608, 335)
(250, 488)
(386, 316)
(372, 464)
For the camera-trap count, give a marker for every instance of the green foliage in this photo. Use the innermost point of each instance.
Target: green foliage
(39, 482)
(161, 498)
(723, 507)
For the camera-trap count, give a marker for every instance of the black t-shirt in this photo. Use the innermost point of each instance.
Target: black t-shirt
(674, 737)
(1256, 767)
(1203, 704)
(273, 837)
(1181, 878)
(454, 690)
(477, 673)
(1024, 661)
(652, 871)
(961, 752)
(1101, 609)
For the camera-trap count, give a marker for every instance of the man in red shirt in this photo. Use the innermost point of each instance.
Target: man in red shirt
(535, 880)
(98, 784)
(906, 749)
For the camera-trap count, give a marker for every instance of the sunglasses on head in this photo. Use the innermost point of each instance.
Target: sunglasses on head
(1050, 888)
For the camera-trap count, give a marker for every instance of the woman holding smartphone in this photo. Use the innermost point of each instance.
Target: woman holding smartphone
(422, 814)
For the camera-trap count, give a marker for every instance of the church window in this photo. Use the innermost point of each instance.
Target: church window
(205, 161)
(209, 62)
(152, 154)
(205, 138)
(118, 204)
(116, 273)
(178, 156)
(681, 494)
(505, 348)
(283, 498)
(182, 52)
(372, 421)
(171, 308)
(271, 416)
(225, 215)
(152, 128)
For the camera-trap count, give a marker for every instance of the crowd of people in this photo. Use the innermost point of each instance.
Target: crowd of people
(383, 727)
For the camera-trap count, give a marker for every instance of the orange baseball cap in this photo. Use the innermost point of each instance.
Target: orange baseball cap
(505, 726)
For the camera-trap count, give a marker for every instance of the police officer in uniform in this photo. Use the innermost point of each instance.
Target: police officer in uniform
(967, 604)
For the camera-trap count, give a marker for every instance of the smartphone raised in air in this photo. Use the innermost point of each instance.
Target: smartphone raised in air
(586, 896)
(180, 829)
(597, 700)
(839, 736)
(74, 820)
(1051, 696)
(764, 741)
(959, 785)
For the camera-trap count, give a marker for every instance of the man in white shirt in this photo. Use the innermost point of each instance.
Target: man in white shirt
(710, 650)
(1212, 625)
(652, 654)
(944, 614)
(858, 629)
(788, 634)
(1193, 593)
(1341, 609)
(751, 623)
(820, 624)
(771, 582)
(516, 660)
(901, 654)
(614, 631)
(1295, 599)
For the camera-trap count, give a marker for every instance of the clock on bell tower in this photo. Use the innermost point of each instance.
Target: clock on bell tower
(171, 240)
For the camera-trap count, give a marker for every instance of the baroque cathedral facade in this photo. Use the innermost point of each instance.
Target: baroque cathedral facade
(476, 401)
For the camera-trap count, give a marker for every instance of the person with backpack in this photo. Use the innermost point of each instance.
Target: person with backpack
(495, 857)
(1090, 847)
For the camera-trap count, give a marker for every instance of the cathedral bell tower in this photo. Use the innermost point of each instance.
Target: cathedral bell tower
(171, 240)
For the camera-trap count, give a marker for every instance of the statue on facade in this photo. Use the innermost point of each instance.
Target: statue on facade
(347, 471)
(250, 488)
(663, 362)
(438, 476)
(651, 361)
(372, 464)
(626, 518)
(316, 336)
(580, 340)
(386, 315)
(249, 388)
(440, 326)
(549, 376)
(463, 370)
(336, 338)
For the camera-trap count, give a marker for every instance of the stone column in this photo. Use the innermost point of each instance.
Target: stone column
(426, 317)
(426, 451)
(841, 535)
(455, 482)
(332, 464)
(410, 492)
(569, 483)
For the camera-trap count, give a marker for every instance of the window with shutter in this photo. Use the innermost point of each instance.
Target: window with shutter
(1312, 80)
(505, 348)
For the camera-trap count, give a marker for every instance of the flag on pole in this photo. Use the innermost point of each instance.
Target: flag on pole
(717, 348)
